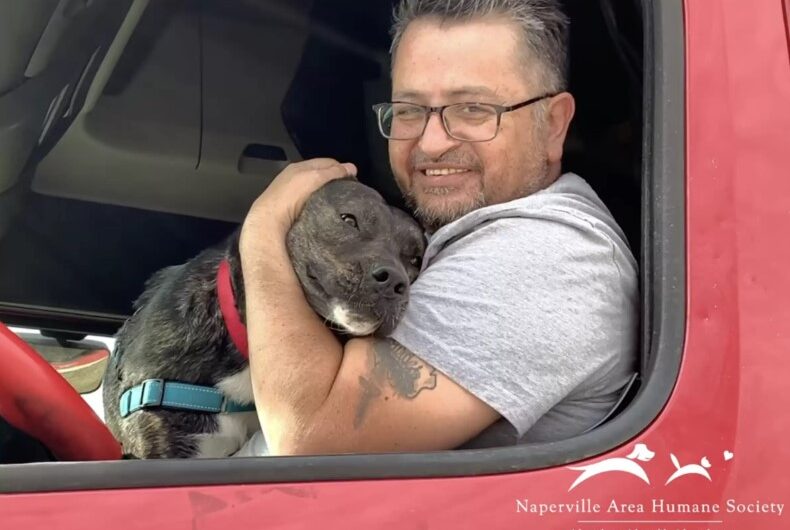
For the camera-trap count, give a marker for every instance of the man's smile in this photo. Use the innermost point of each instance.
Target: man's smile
(441, 184)
(445, 171)
(441, 176)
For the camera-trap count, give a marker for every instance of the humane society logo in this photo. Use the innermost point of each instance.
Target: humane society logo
(632, 465)
(643, 454)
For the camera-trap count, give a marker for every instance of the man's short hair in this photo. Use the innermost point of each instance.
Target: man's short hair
(543, 26)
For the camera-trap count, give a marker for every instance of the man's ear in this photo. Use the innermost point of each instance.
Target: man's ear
(558, 119)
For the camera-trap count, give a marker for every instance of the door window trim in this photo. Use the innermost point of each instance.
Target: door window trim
(663, 304)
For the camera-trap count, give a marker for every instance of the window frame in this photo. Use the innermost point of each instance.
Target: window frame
(663, 281)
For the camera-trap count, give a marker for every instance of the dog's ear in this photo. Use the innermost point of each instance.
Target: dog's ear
(152, 285)
(412, 233)
(402, 214)
(407, 219)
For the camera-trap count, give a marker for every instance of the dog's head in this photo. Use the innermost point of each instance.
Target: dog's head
(355, 257)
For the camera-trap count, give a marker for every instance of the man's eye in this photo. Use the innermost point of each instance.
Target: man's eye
(349, 219)
(406, 113)
(476, 110)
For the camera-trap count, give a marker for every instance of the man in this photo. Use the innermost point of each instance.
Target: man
(522, 324)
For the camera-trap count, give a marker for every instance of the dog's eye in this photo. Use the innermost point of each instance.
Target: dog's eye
(416, 261)
(349, 219)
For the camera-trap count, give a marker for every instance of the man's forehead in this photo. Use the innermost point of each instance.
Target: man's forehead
(450, 93)
(457, 61)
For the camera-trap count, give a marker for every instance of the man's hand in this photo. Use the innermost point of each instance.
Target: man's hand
(275, 211)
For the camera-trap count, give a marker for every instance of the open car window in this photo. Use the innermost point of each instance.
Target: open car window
(168, 127)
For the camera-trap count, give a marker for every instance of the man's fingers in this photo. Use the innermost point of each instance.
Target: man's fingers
(346, 169)
(284, 198)
(337, 171)
(351, 169)
(313, 164)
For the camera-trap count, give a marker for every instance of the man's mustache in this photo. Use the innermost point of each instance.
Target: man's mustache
(451, 158)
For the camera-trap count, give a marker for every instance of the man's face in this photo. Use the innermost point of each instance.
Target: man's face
(477, 61)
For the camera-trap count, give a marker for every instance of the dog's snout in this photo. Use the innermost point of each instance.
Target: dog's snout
(389, 280)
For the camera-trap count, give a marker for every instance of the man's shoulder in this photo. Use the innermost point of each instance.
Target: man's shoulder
(568, 207)
(568, 197)
(567, 217)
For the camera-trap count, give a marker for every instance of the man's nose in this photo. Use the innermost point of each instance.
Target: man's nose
(435, 141)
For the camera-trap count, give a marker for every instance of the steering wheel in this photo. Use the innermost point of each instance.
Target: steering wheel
(36, 399)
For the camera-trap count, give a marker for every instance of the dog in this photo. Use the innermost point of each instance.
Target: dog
(184, 346)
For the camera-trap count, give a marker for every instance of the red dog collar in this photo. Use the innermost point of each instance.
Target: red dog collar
(227, 305)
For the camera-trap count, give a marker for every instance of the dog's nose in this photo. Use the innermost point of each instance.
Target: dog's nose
(389, 280)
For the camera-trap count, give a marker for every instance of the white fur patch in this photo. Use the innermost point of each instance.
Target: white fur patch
(351, 322)
(238, 386)
(234, 431)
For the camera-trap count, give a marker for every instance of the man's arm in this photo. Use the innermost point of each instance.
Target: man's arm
(314, 396)
(385, 398)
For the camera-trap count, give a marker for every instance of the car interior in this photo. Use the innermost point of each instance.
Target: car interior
(135, 133)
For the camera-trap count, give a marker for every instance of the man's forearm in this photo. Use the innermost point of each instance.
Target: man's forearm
(294, 358)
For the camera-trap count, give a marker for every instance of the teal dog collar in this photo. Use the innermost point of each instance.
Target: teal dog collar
(158, 393)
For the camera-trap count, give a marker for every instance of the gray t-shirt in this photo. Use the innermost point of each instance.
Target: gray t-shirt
(532, 306)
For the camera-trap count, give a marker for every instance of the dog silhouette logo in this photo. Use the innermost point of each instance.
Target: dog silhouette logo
(628, 465)
(689, 469)
(631, 465)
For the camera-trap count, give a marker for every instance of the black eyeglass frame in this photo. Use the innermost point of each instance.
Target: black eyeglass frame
(500, 109)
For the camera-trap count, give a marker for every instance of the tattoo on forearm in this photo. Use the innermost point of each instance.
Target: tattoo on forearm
(393, 365)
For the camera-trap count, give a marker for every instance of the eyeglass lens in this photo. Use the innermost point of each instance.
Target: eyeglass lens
(463, 121)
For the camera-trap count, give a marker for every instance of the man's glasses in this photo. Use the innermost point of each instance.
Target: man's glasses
(468, 122)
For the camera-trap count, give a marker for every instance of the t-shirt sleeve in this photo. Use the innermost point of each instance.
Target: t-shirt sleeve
(522, 313)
